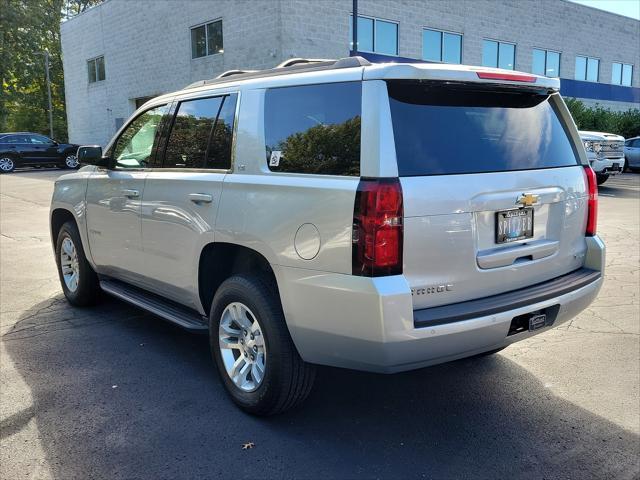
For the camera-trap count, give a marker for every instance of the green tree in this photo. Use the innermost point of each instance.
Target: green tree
(600, 119)
(27, 29)
(324, 149)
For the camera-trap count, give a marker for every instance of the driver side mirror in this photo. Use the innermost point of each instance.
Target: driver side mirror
(92, 155)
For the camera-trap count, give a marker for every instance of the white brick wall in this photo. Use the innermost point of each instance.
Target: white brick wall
(147, 46)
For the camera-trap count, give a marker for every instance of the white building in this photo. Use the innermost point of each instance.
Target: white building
(122, 52)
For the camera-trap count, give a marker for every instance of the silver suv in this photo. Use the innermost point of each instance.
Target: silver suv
(375, 217)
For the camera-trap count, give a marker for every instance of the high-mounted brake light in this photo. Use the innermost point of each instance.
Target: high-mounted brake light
(512, 77)
(377, 228)
(592, 203)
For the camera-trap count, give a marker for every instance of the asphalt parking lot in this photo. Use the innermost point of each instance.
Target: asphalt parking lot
(111, 392)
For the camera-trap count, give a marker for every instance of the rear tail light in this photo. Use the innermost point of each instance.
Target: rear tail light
(592, 203)
(377, 228)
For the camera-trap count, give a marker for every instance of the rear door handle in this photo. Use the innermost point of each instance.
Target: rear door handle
(200, 198)
(131, 193)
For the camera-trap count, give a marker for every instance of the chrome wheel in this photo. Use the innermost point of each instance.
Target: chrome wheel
(71, 161)
(69, 264)
(242, 346)
(6, 164)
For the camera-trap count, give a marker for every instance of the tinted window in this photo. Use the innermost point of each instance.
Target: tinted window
(506, 56)
(538, 62)
(432, 45)
(190, 133)
(196, 139)
(451, 48)
(314, 129)
(198, 42)
(41, 139)
(489, 53)
(456, 129)
(386, 38)
(14, 139)
(593, 65)
(95, 68)
(219, 152)
(375, 35)
(498, 54)
(206, 39)
(627, 71)
(441, 46)
(581, 68)
(553, 64)
(134, 147)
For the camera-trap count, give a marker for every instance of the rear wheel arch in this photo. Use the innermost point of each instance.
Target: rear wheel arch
(219, 261)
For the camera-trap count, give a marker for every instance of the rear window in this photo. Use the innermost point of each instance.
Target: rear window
(314, 129)
(457, 129)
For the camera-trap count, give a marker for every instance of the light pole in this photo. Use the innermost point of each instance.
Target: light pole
(46, 71)
(354, 30)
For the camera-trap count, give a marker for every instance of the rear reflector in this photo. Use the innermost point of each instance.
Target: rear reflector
(592, 203)
(512, 77)
(377, 228)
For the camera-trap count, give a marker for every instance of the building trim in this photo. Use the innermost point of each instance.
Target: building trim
(568, 87)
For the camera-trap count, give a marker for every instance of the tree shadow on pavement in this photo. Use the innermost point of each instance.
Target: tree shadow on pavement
(120, 394)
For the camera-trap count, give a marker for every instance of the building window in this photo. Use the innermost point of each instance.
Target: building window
(498, 54)
(546, 62)
(440, 46)
(376, 36)
(95, 68)
(206, 39)
(587, 68)
(621, 74)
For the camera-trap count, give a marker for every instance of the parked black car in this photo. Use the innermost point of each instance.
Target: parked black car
(19, 149)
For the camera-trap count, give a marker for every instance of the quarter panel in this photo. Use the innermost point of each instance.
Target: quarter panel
(264, 212)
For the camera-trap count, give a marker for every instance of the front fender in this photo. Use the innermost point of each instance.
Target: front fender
(69, 194)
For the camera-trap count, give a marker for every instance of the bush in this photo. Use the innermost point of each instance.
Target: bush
(601, 119)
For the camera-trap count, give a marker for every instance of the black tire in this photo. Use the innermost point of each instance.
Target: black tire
(8, 163)
(88, 288)
(625, 167)
(601, 178)
(287, 378)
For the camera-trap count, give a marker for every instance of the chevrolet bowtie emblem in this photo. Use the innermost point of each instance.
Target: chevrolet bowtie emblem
(527, 199)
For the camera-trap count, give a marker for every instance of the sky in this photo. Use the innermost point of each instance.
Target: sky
(628, 8)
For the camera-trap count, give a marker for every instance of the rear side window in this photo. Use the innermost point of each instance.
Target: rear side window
(15, 139)
(459, 129)
(314, 129)
(201, 134)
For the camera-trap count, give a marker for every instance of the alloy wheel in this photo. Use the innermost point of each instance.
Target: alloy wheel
(71, 161)
(69, 264)
(6, 164)
(242, 347)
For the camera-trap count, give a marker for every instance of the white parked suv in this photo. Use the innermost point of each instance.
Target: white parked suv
(605, 152)
(375, 217)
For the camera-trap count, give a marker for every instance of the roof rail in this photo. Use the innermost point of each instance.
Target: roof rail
(294, 65)
(296, 61)
(228, 73)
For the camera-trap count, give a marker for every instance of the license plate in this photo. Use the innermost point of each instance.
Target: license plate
(616, 166)
(537, 321)
(512, 225)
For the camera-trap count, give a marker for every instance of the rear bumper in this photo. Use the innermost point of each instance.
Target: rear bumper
(369, 324)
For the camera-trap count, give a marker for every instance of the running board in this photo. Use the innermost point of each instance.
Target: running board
(166, 309)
